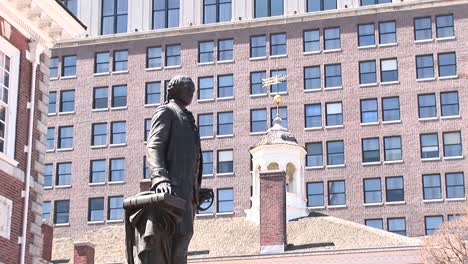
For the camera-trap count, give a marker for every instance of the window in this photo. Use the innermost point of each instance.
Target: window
(52, 106)
(278, 44)
(432, 223)
(173, 55)
(332, 75)
(256, 82)
(391, 109)
(100, 98)
(369, 111)
(99, 137)
(452, 144)
(153, 93)
(101, 62)
(225, 200)
(429, 146)
(114, 16)
(258, 120)
(64, 174)
(53, 68)
(314, 194)
(312, 79)
(69, 66)
(116, 211)
(280, 87)
(119, 96)
(332, 38)
(388, 70)
(46, 210)
(50, 144)
(146, 169)
(65, 137)
(283, 113)
(258, 46)
(320, 5)
(334, 112)
(422, 28)
(313, 115)
(267, 8)
(312, 40)
(366, 35)
(165, 13)
(447, 64)
(336, 193)
(226, 50)
(147, 129)
(424, 67)
(395, 190)
(118, 132)
(98, 171)
(449, 104)
(372, 191)
(61, 212)
(120, 61)
(392, 146)
(444, 26)
(375, 223)
(455, 183)
(206, 51)
(67, 101)
(335, 152)
(209, 209)
(427, 105)
(96, 209)
(370, 150)
(387, 32)
(432, 188)
(117, 170)
(207, 157)
(48, 171)
(216, 11)
(225, 86)
(205, 125)
(367, 72)
(225, 123)
(397, 225)
(314, 157)
(225, 161)
(374, 2)
(153, 57)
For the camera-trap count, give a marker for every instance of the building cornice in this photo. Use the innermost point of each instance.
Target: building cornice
(255, 23)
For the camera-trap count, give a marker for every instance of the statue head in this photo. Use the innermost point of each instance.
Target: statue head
(181, 88)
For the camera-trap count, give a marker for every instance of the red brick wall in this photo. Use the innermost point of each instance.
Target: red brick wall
(83, 254)
(273, 208)
(48, 235)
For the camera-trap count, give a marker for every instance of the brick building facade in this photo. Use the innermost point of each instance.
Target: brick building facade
(374, 89)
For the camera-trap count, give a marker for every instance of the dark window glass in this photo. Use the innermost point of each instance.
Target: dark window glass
(153, 93)
(258, 120)
(120, 60)
(225, 161)
(427, 105)
(225, 86)
(312, 40)
(225, 200)
(452, 144)
(96, 209)
(99, 137)
(52, 106)
(225, 123)
(312, 79)
(447, 64)
(375, 223)
(283, 113)
(119, 132)
(369, 111)
(278, 44)
(146, 169)
(397, 225)
(333, 75)
(334, 114)
(372, 191)
(256, 82)
(257, 46)
(147, 128)
(225, 50)
(320, 5)
(313, 115)
(392, 146)
(165, 13)
(64, 174)
(387, 32)
(46, 210)
(205, 125)
(432, 188)
(48, 171)
(50, 144)
(424, 66)
(395, 191)
(389, 70)
(153, 57)
(216, 11)
(366, 35)
(370, 150)
(391, 109)
(101, 62)
(173, 55)
(206, 51)
(455, 185)
(314, 194)
(115, 208)
(114, 16)
(119, 96)
(336, 193)
(267, 8)
(280, 87)
(367, 72)
(69, 66)
(332, 38)
(314, 157)
(205, 88)
(117, 170)
(207, 162)
(335, 152)
(429, 146)
(422, 28)
(98, 171)
(374, 2)
(100, 98)
(53, 67)
(65, 137)
(432, 223)
(449, 104)
(444, 26)
(61, 212)
(67, 101)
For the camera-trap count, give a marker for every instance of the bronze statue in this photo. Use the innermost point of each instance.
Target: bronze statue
(159, 223)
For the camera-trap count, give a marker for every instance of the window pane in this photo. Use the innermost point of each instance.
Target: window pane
(452, 144)
(369, 111)
(429, 146)
(312, 79)
(278, 44)
(225, 200)
(315, 194)
(205, 88)
(367, 72)
(207, 162)
(98, 171)
(225, 123)
(206, 52)
(432, 223)
(395, 189)
(334, 114)
(375, 223)
(425, 67)
(455, 185)
(432, 187)
(397, 225)
(387, 32)
(423, 28)
(335, 153)
(370, 150)
(336, 193)
(447, 64)
(119, 133)
(205, 125)
(311, 40)
(256, 82)
(366, 35)
(314, 157)
(258, 46)
(333, 75)
(313, 115)
(225, 50)
(258, 120)
(332, 38)
(372, 191)
(450, 105)
(389, 70)
(117, 170)
(391, 109)
(225, 86)
(445, 26)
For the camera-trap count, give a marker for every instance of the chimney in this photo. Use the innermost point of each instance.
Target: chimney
(83, 253)
(47, 231)
(272, 212)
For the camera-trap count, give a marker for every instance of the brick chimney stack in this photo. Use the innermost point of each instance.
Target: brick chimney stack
(83, 253)
(47, 238)
(272, 212)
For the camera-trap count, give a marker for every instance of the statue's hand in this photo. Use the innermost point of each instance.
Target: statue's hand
(164, 187)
